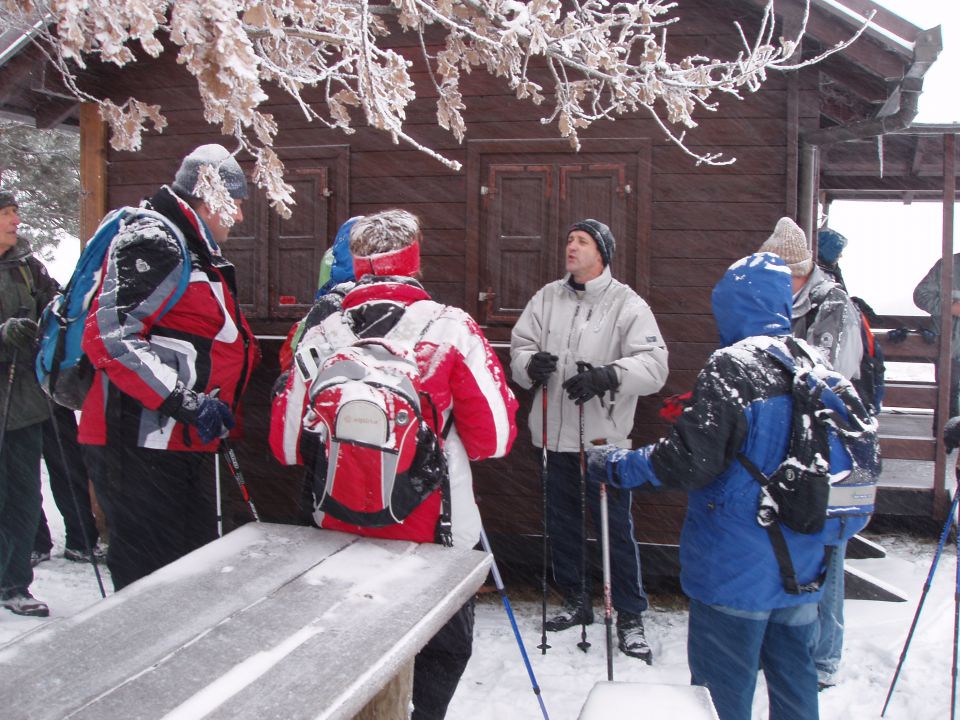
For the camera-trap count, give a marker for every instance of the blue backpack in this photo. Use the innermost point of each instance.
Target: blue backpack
(63, 370)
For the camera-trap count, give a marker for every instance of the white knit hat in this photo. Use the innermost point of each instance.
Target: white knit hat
(790, 243)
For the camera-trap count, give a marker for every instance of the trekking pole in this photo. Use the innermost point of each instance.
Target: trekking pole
(498, 581)
(216, 494)
(956, 631)
(923, 594)
(607, 598)
(231, 457)
(11, 375)
(583, 644)
(543, 485)
(73, 496)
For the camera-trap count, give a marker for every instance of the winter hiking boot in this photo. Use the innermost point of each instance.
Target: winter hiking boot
(37, 557)
(25, 604)
(633, 640)
(75, 555)
(573, 613)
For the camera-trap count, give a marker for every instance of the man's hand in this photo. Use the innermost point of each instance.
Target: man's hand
(211, 417)
(541, 366)
(591, 383)
(602, 463)
(951, 434)
(19, 333)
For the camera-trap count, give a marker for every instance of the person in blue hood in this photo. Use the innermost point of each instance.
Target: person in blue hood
(741, 617)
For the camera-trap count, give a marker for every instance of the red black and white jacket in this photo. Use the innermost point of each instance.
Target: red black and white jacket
(458, 370)
(202, 342)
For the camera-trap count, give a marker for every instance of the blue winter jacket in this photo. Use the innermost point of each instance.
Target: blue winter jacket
(741, 403)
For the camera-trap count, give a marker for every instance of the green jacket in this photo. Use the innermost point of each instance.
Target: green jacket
(25, 289)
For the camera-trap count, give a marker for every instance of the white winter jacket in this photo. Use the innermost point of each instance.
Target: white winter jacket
(607, 323)
(825, 316)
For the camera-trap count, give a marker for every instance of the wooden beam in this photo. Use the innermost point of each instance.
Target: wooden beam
(93, 169)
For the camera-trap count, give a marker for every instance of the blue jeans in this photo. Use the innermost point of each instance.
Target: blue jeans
(563, 527)
(829, 638)
(19, 506)
(726, 648)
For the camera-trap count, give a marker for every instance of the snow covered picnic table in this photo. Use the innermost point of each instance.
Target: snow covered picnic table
(270, 621)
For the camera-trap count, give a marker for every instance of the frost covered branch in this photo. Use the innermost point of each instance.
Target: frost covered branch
(586, 60)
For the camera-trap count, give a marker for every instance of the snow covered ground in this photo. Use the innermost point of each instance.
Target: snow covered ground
(496, 685)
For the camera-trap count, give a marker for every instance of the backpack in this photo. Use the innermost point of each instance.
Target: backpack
(826, 484)
(871, 384)
(63, 370)
(382, 458)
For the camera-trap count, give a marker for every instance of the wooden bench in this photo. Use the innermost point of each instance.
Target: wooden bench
(270, 621)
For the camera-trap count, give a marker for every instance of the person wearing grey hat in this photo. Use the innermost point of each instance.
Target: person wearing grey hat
(25, 289)
(824, 316)
(167, 380)
(593, 346)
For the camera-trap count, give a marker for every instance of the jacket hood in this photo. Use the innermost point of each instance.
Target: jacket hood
(337, 264)
(754, 297)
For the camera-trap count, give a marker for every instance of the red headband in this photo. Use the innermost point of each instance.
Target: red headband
(405, 261)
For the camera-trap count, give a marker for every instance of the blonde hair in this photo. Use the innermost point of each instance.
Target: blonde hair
(384, 231)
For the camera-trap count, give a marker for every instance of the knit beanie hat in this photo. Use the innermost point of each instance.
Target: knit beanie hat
(830, 244)
(790, 243)
(185, 181)
(601, 235)
(7, 198)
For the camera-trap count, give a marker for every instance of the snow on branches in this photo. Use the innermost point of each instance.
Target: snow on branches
(585, 60)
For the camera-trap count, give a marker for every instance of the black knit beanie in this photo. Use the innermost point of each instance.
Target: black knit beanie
(601, 235)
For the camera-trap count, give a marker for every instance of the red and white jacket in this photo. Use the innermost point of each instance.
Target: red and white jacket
(460, 373)
(203, 342)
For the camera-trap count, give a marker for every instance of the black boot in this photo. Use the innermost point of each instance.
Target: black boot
(633, 639)
(573, 613)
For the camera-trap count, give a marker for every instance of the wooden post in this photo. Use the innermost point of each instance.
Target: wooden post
(93, 170)
(946, 325)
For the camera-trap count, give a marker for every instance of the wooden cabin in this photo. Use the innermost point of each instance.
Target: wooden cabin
(494, 231)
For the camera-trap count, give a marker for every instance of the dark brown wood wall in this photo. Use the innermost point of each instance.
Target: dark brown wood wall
(701, 219)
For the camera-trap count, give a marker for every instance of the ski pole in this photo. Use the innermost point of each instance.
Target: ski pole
(923, 595)
(231, 457)
(607, 598)
(11, 375)
(956, 631)
(73, 495)
(216, 494)
(584, 643)
(498, 581)
(543, 485)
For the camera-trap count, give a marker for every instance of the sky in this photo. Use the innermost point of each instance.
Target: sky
(876, 263)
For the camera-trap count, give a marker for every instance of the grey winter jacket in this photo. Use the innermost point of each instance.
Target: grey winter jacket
(825, 316)
(927, 297)
(607, 323)
(25, 290)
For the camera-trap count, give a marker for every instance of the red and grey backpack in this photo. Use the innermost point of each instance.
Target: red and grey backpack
(383, 461)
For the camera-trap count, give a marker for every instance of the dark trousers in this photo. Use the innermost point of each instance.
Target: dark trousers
(439, 665)
(159, 507)
(19, 507)
(564, 529)
(68, 482)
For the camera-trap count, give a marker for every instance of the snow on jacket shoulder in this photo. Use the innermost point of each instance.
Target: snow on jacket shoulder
(203, 341)
(607, 323)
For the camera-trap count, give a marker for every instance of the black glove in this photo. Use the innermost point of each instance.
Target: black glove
(951, 433)
(541, 367)
(19, 333)
(591, 383)
(211, 417)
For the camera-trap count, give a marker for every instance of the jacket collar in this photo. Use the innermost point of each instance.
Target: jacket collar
(395, 288)
(18, 253)
(592, 288)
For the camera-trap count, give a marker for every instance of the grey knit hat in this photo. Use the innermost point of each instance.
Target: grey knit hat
(7, 198)
(601, 235)
(790, 243)
(185, 182)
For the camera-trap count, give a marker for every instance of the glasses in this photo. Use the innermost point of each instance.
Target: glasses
(899, 334)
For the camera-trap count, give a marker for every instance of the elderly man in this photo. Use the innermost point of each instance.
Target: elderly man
(592, 344)
(165, 390)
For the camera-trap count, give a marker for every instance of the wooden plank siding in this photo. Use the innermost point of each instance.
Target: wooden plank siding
(691, 222)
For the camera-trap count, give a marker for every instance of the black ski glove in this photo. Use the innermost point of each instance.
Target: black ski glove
(19, 333)
(211, 417)
(541, 366)
(951, 434)
(591, 383)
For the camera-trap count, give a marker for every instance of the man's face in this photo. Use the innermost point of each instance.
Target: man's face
(584, 261)
(9, 222)
(218, 229)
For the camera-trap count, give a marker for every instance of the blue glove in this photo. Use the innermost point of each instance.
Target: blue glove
(211, 417)
(602, 464)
